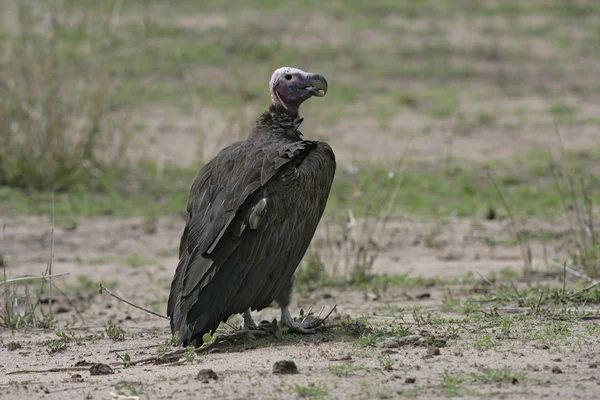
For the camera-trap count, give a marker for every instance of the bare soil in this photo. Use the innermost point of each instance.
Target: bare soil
(140, 255)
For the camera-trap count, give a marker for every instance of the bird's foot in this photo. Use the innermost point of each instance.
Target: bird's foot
(309, 326)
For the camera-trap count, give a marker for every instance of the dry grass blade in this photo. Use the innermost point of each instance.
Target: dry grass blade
(51, 261)
(105, 289)
(43, 371)
(577, 200)
(27, 278)
(523, 245)
(3, 259)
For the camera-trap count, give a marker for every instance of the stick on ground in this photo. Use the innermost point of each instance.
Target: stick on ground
(104, 289)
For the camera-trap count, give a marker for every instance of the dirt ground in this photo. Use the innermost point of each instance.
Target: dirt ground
(141, 262)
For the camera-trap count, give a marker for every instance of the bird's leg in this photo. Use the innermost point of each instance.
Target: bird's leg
(284, 300)
(249, 323)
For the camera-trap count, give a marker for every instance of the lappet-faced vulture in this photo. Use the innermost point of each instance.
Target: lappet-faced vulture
(251, 214)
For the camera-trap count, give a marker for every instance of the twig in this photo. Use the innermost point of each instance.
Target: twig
(134, 348)
(202, 349)
(51, 257)
(593, 285)
(576, 273)
(7, 298)
(307, 314)
(321, 312)
(329, 313)
(486, 280)
(25, 278)
(564, 277)
(569, 184)
(218, 340)
(104, 288)
(515, 310)
(40, 371)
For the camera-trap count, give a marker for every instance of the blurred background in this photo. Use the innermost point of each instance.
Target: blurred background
(436, 109)
(91, 90)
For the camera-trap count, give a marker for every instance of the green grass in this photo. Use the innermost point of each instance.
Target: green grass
(555, 319)
(343, 370)
(315, 392)
(136, 262)
(158, 58)
(451, 384)
(153, 46)
(485, 342)
(422, 190)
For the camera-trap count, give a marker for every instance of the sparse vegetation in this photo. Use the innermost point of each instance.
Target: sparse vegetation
(57, 131)
(451, 384)
(319, 391)
(114, 332)
(62, 340)
(343, 370)
(498, 376)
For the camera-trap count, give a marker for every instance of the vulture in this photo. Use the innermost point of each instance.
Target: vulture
(251, 214)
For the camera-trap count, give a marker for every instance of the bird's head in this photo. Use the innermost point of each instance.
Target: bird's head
(290, 87)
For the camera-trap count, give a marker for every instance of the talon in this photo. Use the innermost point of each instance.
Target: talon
(309, 327)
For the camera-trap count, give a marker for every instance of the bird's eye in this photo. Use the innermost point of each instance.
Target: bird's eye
(288, 77)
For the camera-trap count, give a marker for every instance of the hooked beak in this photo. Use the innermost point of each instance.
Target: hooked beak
(317, 85)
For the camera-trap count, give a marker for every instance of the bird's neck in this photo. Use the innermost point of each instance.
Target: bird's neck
(279, 111)
(279, 117)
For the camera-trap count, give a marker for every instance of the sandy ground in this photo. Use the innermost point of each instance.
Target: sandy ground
(142, 257)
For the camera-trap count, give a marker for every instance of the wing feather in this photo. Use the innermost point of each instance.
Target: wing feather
(217, 197)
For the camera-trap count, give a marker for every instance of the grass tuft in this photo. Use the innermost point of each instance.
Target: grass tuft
(56, 128)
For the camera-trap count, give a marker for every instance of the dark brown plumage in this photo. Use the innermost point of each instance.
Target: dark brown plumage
(252, 212)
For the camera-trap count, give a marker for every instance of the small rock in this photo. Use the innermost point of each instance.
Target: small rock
(389, 344)
(101, 369)
(285, 367)
(410, 339)
(410, 380)
(12, 346)
(206, 375)
(75, 378)
(346, 357)
(372, 296)
(556, 370)
(433, 351)
(83, 363)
